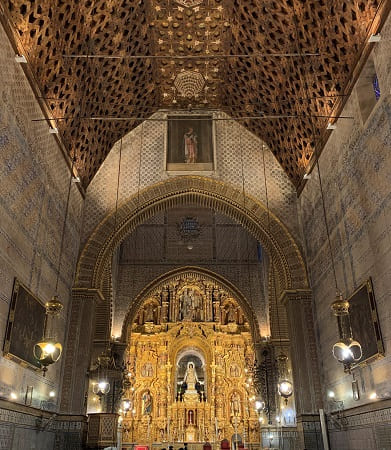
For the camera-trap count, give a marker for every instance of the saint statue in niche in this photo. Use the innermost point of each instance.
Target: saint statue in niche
(190, 376)
(235, 404)
(190, 305)
(191, 146)
(148, 313)
(234, 371)
(185, 305)
(231, 314)
(147, 370)
(147, 403)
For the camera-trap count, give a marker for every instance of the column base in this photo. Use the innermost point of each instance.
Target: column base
(309, 432)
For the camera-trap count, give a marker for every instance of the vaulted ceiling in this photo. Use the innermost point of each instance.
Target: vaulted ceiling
(282, 67)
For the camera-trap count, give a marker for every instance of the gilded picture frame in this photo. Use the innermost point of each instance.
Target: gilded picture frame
(190, 144)
(365, 322)
(25, 326)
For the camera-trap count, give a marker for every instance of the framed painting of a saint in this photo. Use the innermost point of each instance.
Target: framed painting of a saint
(365, 322)
(190, 143)
(26, 321)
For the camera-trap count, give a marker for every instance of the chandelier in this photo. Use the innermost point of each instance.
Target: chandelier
(48, 350)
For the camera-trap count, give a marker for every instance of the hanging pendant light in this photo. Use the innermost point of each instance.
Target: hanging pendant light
(49, 350)
(347, 350)
(101, 386)
(284, 385)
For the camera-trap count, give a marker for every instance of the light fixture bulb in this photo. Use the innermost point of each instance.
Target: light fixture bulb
(126, 405)
(47, 352)
(347, 351)
(49, 349)
(101, 388)
(285, 388)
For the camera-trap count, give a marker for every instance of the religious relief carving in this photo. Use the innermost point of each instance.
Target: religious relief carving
(231, 313)
(190, 305)
(149, 313)
(188, 299)
(147, 370)
(234, 371)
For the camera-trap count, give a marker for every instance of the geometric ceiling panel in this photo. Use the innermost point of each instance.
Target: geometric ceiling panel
(280, 67)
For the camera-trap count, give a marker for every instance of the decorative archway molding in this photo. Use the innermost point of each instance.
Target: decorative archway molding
(196, 273)
(205, 192)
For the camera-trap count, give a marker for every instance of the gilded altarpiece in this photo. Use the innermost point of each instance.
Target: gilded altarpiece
(189, 347)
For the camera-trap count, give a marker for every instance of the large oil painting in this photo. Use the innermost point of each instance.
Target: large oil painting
(190, 143)
(365, 323)
(25, 326)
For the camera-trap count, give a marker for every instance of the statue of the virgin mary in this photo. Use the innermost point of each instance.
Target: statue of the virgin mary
(190, 376)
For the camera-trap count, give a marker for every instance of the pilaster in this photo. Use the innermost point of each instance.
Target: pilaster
(304, 354)
(77, 355)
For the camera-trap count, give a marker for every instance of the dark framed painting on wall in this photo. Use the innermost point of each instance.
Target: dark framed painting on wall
(365, 322)
(26, 321)
(190, 143)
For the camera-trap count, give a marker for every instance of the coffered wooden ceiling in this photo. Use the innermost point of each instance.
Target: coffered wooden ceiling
(280, 66)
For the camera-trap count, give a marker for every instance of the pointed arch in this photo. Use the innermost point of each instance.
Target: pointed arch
(206, 192)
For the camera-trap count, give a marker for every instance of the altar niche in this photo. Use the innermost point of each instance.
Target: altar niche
(190, 379)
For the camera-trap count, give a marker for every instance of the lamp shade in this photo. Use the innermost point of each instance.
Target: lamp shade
(347, 351)
(101, 387)
(47, 352)
(285, 388)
